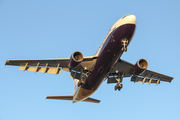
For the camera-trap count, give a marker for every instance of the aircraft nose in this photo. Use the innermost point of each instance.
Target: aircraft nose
(132, 19)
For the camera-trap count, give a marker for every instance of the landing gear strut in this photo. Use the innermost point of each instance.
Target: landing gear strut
(119, 79)
(124, 44)
(80, 83)
(82, 78)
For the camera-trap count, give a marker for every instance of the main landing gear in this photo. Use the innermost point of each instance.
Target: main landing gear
(83, 77)
(119, 80)
(119, 87)
(80, 83)
(124, 44)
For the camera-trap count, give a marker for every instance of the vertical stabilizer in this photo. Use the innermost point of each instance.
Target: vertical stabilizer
(75, 84)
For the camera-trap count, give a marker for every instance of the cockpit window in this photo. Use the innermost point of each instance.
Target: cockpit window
(125, 16)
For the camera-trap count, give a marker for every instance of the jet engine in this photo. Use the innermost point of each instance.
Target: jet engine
(75, 59)
(140, 66)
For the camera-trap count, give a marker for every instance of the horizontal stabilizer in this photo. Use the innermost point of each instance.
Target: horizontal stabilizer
(70, 97)
(91, 100)
(61, 97)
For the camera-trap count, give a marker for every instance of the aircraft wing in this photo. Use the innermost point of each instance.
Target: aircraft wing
(147, 76)
(53, 66)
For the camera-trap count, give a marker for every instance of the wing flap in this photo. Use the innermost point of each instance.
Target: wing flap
(113, 80)
(41, 69)
(144, 80)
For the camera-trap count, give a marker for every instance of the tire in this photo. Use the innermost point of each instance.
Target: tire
(125, 49)
(115, 88)
(119, 88)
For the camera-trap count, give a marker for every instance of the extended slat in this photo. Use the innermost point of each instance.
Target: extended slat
(42, 69)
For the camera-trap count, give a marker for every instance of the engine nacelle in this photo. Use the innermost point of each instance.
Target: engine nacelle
(75, 59)
(140, 66)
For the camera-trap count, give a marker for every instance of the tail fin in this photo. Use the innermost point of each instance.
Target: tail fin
(75, 84)
(70, 97)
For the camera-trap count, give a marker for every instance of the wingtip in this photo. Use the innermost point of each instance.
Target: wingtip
(48, 97)
(7, 61)
(171, 79)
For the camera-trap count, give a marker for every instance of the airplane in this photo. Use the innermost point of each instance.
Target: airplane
(89, 72)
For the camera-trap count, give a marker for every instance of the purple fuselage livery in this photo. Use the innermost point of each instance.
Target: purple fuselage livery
(108, 54)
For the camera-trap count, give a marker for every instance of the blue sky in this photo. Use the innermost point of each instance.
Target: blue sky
(38, 29)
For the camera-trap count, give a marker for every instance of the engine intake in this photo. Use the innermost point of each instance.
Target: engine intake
(140, 66)
(75, 59)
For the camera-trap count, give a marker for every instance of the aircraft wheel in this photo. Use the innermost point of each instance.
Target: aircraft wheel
(115, 88)
(125, 49)
(119, 88)
(121, 85)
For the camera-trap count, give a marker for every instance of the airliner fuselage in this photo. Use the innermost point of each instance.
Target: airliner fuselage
(118, 37)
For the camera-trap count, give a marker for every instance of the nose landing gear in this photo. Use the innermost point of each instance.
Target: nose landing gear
(124, 44)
